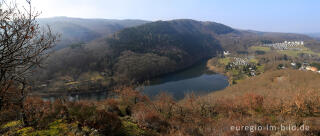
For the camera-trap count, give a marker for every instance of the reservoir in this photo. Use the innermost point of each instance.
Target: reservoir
(197, 80)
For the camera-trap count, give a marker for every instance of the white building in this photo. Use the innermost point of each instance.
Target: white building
(226, 53)
(286, 45)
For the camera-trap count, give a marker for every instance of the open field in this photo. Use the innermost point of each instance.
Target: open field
(296, 53)
(260, 48)
(224, 61)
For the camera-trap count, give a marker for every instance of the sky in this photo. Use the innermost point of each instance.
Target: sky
(297, 16)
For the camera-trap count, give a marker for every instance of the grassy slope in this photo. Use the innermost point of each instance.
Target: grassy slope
(260, 48)
(283, 84)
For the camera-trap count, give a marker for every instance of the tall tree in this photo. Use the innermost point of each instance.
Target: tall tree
(23, 46)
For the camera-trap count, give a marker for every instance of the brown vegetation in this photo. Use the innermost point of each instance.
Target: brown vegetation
(277, 97)
(282, 97)
(23, 46)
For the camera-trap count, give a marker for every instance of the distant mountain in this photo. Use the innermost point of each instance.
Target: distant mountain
(77, 30)
(314, 35)
(240, 40)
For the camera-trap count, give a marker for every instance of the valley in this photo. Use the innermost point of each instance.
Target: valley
(159, 68)
(148, 77)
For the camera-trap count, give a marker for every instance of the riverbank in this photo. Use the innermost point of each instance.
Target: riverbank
(233, 69)
(214, 66)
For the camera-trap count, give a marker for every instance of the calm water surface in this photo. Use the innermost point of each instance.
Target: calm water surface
(197, 79)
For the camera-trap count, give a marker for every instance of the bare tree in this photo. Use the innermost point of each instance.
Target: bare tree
(23, 46)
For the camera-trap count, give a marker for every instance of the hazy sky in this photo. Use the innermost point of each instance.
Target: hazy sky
(301, 16)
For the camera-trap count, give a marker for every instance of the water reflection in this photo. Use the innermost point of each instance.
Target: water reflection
(79, 96)
(196, 79)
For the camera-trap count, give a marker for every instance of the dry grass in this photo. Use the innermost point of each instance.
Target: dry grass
(260, 48)
(278, 84)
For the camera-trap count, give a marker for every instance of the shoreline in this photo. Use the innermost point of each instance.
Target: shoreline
(60, 93)
(214, 68)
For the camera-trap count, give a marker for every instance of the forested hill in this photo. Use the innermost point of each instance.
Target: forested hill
(77, 30)
(179, 40)
(315, 35)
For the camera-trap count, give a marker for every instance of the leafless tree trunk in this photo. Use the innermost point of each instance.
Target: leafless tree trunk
(23, 46)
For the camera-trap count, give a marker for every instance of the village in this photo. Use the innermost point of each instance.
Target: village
(245, 66)
(242, 65)
(286, 45)
(307, 67)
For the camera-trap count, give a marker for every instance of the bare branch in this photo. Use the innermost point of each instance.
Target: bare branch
(23, 45)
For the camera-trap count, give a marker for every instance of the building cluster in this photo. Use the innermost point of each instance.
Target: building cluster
(240, 61)
(304, 67)
(246, 67)
(307, 67)
(291, 45)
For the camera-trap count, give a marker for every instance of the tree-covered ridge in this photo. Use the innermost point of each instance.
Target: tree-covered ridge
(174, 39)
